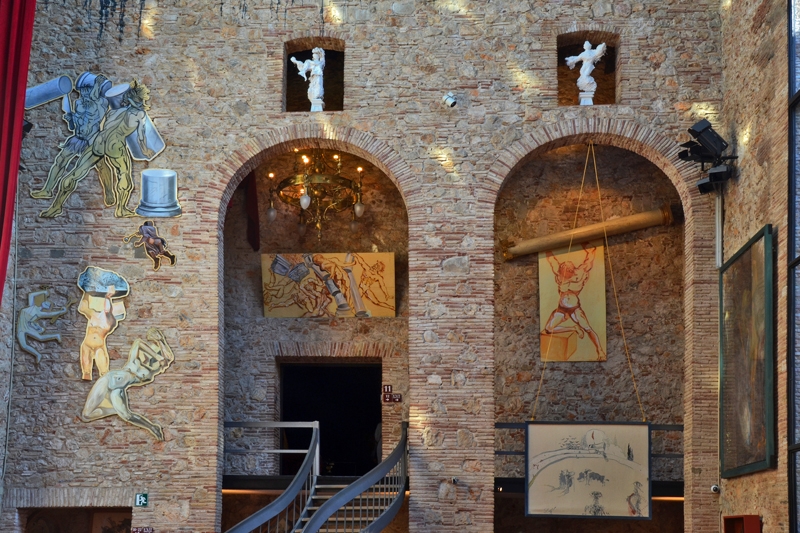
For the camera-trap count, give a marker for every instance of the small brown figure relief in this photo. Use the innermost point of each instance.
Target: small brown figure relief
(109, 394)
(154, 246)
(39, 306)
(100, 290)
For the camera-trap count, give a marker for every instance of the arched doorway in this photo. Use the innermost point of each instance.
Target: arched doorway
(258, 351)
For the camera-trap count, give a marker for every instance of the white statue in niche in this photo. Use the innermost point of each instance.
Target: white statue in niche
(314, 68)
(586, 82)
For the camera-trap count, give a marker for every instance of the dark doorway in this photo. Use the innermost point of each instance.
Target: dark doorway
(346, 400)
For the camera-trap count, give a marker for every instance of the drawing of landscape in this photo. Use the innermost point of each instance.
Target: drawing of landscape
(592, 470)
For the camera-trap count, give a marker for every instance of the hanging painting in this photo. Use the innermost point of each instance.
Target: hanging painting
(747, 431)
(572, 304)
(328, 284)
(587, 470)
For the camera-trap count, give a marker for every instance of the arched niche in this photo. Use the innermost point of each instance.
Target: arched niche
(255, 347)
(543, 195)
(295, 87)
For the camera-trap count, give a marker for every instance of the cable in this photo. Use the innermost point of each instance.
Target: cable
(614, 285)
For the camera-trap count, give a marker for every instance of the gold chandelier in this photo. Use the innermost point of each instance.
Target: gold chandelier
(316, 187)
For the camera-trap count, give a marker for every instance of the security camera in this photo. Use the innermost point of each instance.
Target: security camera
(449, 100)
(715, 489)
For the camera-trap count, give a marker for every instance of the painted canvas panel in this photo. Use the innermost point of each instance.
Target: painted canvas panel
(589, 470)
(328, 284)
(572, 303)
(747, 435)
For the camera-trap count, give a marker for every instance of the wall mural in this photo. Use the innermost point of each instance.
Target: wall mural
(572, 304)
(109, 395)
(154, 246)
(328, 284)
(39, 306)
(110, 127)
(588, 470)
(103, 308)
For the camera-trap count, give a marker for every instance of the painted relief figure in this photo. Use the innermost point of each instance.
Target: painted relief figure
(108, 152)
(154, 246)
(316, 285)
(572, 305)
(28, 322)
(109, 395)
(83, 122)
(103, 308)
(608, 481)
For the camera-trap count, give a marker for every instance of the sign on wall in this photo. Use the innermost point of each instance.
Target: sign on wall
(572, 304)
(587, 470)
(328, 284)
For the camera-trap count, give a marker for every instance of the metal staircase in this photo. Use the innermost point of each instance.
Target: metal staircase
(367, 505)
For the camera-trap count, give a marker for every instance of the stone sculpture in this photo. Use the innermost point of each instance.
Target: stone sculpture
(589, 57)
(28, 322)
(100, 288)
(154, 246)
(314, 68)
(109, 395)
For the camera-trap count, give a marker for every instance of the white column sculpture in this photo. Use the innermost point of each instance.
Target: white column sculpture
(314, 68)
(589, 57)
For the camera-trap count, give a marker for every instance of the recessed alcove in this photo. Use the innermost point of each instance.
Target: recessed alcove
(255, 347)
(605, 73)
(296, 88)
(538, 199)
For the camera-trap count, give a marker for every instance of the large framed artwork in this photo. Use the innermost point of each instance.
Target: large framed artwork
(572, 303)
(746, 416)
(588, 470)
(328, 284)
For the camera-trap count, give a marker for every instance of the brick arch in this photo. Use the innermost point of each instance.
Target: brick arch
(281, 140)
(329, 39)
(596, 29)
(700, 296)
(626, 134)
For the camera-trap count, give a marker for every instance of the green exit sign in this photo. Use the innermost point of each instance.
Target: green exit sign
(140, 501)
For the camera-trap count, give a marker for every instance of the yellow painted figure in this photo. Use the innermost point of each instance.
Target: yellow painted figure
(109, 395)
(109, 153)
(100, 288)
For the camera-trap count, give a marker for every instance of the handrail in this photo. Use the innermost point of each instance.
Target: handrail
(303, 481)
(398, 457)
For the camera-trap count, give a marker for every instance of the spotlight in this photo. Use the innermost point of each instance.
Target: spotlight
(449, 100)
(707, 148)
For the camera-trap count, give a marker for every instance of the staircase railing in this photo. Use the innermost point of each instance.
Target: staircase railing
(284, 513)
(380, 494)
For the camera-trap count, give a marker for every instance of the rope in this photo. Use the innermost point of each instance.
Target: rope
(614, 285)
(569, 249)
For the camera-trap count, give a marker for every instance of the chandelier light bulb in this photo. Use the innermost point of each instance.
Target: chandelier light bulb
(358, 209)
(271, 175)
(272, 214)
(305, 201)
(353, 226)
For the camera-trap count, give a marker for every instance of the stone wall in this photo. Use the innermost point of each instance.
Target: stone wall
(216, 81)
(754, 121)
(541, 198)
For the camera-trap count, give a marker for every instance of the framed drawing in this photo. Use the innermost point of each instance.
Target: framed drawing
(588, 470)
(746, 368)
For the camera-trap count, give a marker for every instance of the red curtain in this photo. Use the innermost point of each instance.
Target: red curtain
(16, 31)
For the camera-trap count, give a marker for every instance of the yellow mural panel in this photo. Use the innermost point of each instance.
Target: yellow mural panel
(328, 285)
(572, 304)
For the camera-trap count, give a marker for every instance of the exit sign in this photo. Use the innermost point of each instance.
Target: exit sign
(141, 500)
